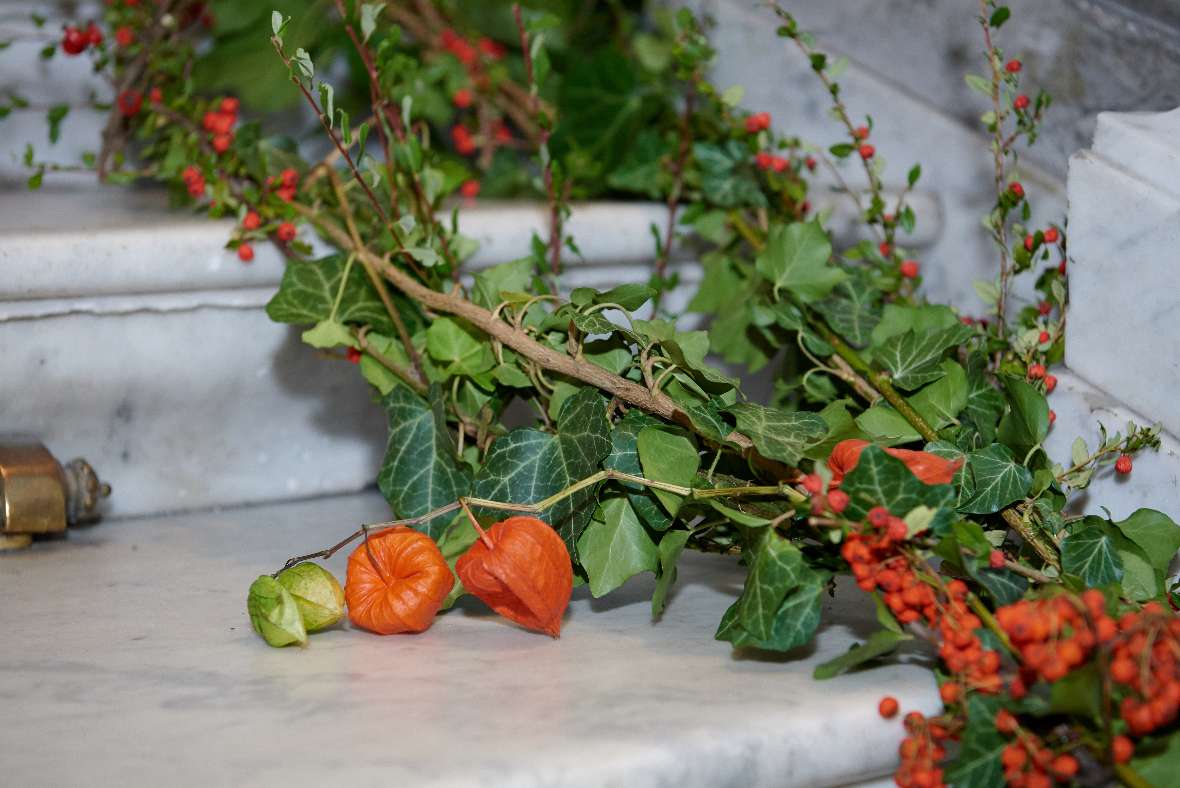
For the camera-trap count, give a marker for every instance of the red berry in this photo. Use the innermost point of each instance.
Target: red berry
(897, 530)
(1016, 189)
(879, 516)
(93, 35)
(885, 249)
(810, 163)
(1043, 337)
(124, 36)
(1021, 102)
(1036, 371)
(1050, 383)
(221, 142)
(74, 41)
(230, 105)
(1005, 722)
(1013, 66)
(888, 707)
(1122, 749)
(252, 220)
(995, 559)
(1052, 415)
(286, 232)
(155, 95)
(757, 123)
(1051, 235)
(1123, 464)
(909, 269)
(837, 501)
(950, 692)
(866, 151)
(289, 177)
(491, 49)
(470, 189)
(245, 253)
(1061, 268)
(1044, 307)
(812, 483)
(764, 160)
(462, 98)
(1029, 242)
(353, 355)
(129, 102)
(779, 164)
(861, 133)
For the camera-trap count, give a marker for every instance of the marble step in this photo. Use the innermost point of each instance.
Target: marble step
(150, 668)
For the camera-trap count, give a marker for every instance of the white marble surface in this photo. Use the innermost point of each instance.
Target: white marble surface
(1124, 311)
(127, 655)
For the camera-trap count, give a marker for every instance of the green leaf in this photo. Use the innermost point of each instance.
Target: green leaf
(668, 457)
(57, 113)
(726, 175)
(515, 276)
(671, 546)
(978, 764)
(369, 14)
(601, 107)
(1027, 423)
(878, 645)
(1079, 694)
(1160, 764)
(991, 480)
(1089, 553)
(886, 426)
(851, 311)
(328, 334)
(778, 434)
(616, 548)
(642, 170)
(308, 293)
(913, 358)
(941, 402)
(985, 405)
(777, 568)
(841, 426)
(527, 465)
(458, 347)
(999, 16)
(421, 470)
(1141, 581)
(624, 456)
(1155, 533)
(794, 625)
(897, 319)
(274, 614)
(881, 480)
(454, 542)
(795, 259)
(1004, 585)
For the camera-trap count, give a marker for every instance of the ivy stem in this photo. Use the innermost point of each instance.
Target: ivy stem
(547, 503)
(483, 536)
(1033, 536)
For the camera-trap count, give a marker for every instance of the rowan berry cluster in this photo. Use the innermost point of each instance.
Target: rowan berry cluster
(921, 751)
(220, 122)
(1027, 761)
(194, 180)
(75, 40)
(1055, 635)
(1145, 661)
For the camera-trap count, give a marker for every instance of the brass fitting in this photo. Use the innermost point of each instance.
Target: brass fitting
(38, 495)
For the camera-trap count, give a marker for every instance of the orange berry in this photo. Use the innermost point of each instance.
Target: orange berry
(1065, 765)
(950, 692)
(887, 708)
(1122, 749)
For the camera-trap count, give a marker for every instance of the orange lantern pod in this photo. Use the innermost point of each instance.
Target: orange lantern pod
(521, 569)
(396, 582)
(929, 468)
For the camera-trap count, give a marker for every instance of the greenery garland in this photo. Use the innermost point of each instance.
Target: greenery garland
(1059, 651)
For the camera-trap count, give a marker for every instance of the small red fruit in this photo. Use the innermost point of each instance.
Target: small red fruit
(230, 105)
(1052, 415)
(812, 483)
(1029, 242)
(861, 133)
(1051, 235)
(909, 269)
(1036, 371)
(764, 160)
(837, 501)
(1016, 189)
(1122, 749)
(245, 253)
(155, 95)
(1050, 383)
(888, 707)
(866, 151)
(353, 355)
(93, 35)
(462, 98)
(124, 36)
(897, 530)
(74, 41)
(470, 189)
(1021, 102)
(1013, 66)
(1044, 307)
(252, 220)
(221, 142)
(130, 102)
(758, 122)
(810, 163)
(950, 692)
(286, 232)
(1123, 464)
(1043, 337)
(995, 559)
(885, 249)
(879, 516)
(1006, 722)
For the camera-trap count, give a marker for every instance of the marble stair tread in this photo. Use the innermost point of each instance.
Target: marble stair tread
(127, 645)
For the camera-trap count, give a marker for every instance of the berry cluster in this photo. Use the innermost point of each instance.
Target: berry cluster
(220, 122)
(194, 179)
(1055, 635)
(961, 649)
(466, 53)
(1146, 661)
(75, 41)
(921, 751)
(1027, 762)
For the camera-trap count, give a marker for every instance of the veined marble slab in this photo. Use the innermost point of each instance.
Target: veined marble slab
(127, 657)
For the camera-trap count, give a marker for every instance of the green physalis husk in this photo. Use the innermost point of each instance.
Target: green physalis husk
(317, 593)
(274, 613)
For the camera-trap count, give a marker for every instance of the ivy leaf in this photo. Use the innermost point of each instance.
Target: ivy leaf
(458, 347)
(726, 175)
(777, 568)
(616, 548)
(851, 311)
(642, 170)
(878, 645)
(778, 434)
(795, 259)
(897, 319)
(913, 357)
(308, 293)
(992, 479)
(421, 470)
(841, 426)
(624, 457)
(794, 625)
(601, 106)
(1089, 553)
(978, 764)
(886, 426)
(491, 283)
(671, 546)
(667, 457)
(1159, 764)
(1027, 423)
(527, 465)
(1155, 533)
(881, 480)
(941, 401)
(1004, 585)
(985, 405)
(328, 334)
(369, 14)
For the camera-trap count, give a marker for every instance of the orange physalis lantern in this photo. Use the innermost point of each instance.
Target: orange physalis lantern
(396, 582)
(521, 568)
(929, 468)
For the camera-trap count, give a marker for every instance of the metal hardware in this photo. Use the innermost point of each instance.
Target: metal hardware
(38, 495)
